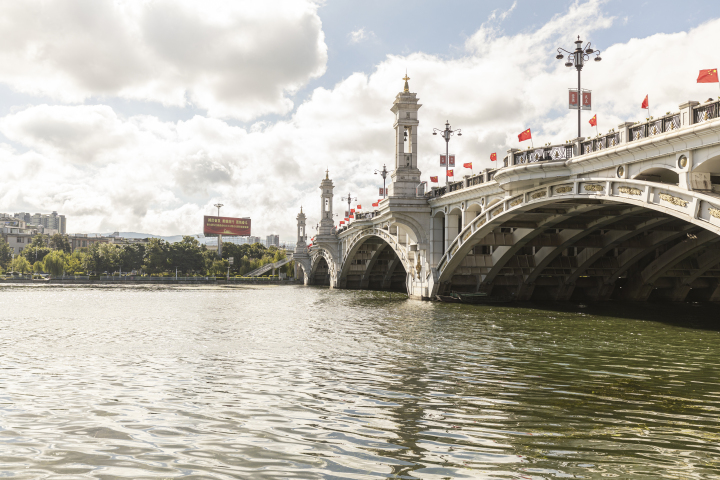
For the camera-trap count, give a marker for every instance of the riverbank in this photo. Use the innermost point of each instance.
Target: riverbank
(152, 281)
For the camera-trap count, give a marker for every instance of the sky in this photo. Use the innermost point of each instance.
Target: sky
(140, 115)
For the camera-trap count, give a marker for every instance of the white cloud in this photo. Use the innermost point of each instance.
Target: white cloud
(360, 35)
(142, 174)
(234, 59)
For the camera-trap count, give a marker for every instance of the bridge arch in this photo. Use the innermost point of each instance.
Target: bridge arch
(375, 260)
(591, 233)
(322, 268)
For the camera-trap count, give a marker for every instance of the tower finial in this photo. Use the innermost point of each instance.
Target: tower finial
(300, 208)
(407, 87)
(327, 173)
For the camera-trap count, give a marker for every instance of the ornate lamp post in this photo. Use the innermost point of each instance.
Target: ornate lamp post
(348, 199)
(383, 173)
(218, 205)
(577, 58)
(446, 134)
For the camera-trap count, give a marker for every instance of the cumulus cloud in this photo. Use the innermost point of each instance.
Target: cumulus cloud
(236, 59)
(143, 174)
(360, 35)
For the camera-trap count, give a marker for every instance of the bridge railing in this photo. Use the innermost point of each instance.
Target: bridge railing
(543, 154)
(485, 176)
(654, 126)
(706, 111)
(601, 142)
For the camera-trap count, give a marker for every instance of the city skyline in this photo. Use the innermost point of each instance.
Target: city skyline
(153, 151)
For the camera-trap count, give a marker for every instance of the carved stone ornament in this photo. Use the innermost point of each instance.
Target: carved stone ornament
(538, 194)
(455, 249)
(620, 171)
(564, 189)
(480, 222)
(630, 191)
(674, 200)
(515, 202)
(594, 188)
(497, 211)
(466, 236)
(714, 212)
(682, 161)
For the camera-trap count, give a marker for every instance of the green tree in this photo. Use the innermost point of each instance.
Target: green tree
(74, 263)
(60, 242)
(219, 267)
(37, 249)
(109, 258)
(91, 260)
(187, 255)
(55, 263)
(157, 256)
(38, 267)
(5, 253)
(21, 265)
(131, 257)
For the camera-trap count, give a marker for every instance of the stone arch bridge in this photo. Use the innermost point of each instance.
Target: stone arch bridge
(633, 214)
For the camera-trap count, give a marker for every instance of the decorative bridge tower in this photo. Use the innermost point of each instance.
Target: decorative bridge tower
(406, 176)
(301, 246)
(327, 224)
(301, 256)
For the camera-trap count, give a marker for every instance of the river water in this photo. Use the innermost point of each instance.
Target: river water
(291, 381)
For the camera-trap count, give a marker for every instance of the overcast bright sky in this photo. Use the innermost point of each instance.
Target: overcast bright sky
(140, 115)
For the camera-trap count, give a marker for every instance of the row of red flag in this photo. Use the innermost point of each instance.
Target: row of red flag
(705, 76)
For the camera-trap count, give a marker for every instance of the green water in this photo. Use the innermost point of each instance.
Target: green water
(277, 382)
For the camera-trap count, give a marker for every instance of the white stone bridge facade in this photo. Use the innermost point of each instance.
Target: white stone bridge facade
(633, 214)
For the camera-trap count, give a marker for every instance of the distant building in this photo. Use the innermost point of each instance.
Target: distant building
(272, 240)
(52, 221)
(83, 240)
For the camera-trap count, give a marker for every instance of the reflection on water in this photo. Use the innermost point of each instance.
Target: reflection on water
(272, 382)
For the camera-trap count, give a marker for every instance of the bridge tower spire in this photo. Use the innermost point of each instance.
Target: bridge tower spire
(301, 246)
(406, 175)
(326, 206)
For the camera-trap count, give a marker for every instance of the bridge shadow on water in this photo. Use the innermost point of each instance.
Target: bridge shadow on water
(695, 315)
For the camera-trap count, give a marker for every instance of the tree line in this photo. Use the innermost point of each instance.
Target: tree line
(54, 255)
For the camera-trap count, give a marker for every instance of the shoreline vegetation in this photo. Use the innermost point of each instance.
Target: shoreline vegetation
(51, 257)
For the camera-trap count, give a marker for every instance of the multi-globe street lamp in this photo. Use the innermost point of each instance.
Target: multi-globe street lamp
(577, 58)
(384, 173)
(348, 199)
(446, 134)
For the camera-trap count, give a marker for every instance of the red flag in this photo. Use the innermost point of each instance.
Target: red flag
(342, 222)
(708, 76)
(375, 204)
(449, 173)
(493, 157)
(593, 121)
(468, 165)
(352, 216)
(352, 210)
(646, 103)
(433, 179)
(526, 135)
(359, 207)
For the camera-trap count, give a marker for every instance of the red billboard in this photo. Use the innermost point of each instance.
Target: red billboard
(239, 227)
